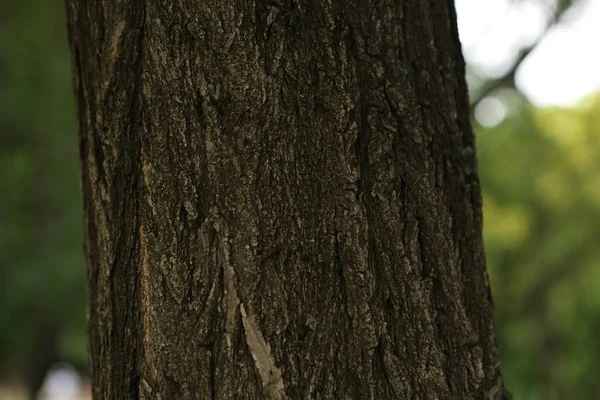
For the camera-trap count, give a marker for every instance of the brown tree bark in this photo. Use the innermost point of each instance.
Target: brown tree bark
(281, 201)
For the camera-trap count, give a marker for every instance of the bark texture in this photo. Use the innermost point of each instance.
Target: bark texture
(281, 201)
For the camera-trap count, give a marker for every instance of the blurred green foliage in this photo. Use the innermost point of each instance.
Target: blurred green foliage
(540, 171)
(42, 273)
(541, 182)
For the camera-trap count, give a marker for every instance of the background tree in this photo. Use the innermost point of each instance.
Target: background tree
(281, 200)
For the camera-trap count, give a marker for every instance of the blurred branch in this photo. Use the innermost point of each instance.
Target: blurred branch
(508, 79)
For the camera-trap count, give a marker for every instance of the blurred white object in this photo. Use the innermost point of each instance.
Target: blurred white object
(564, 66)
(490, 111)
(62, 383)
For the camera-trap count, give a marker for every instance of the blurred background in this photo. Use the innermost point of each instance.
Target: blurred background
(534, 75)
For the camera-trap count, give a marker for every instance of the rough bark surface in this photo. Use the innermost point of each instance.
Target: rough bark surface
(281, 201)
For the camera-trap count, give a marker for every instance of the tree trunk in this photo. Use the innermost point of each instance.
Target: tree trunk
(281, 201)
